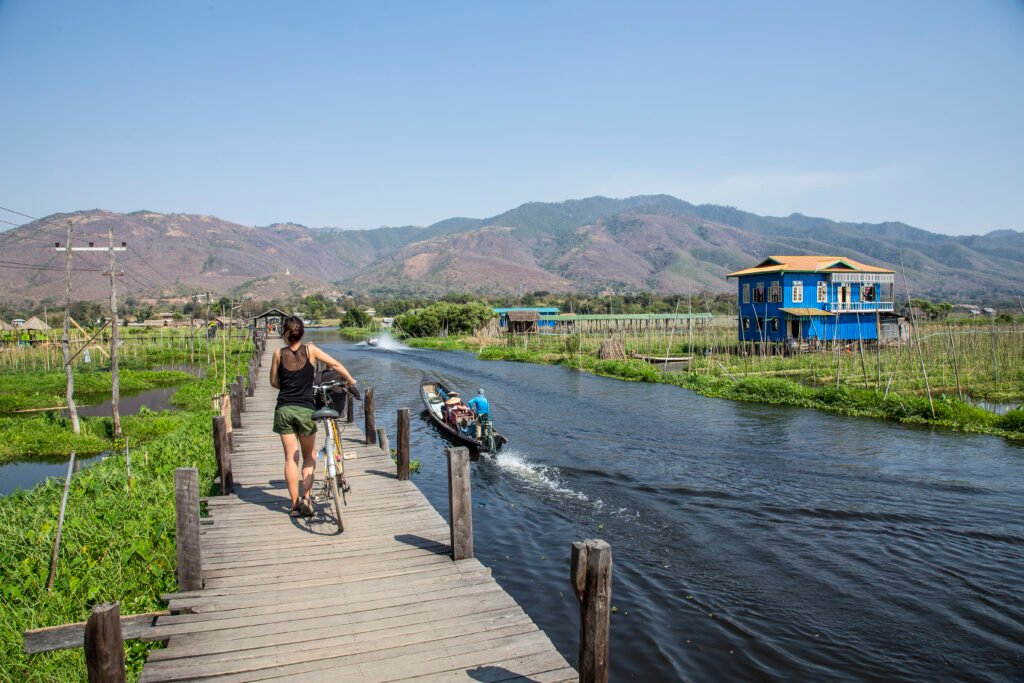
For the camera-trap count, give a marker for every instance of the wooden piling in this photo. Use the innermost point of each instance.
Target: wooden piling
(350, 410)
(402, 437)
(370, 417)
(591, 578)
(186, 509)
(104, 646)
(382, 440)
(460, 503)
(223, 453)
(240, 382)
(236, 413)
(252, 378)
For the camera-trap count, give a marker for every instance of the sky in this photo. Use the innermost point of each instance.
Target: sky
(358, 115)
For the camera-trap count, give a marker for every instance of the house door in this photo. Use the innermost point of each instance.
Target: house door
(794, 329)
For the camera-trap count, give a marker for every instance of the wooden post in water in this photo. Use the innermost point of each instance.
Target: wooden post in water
(402, 437)
(460, 502)
(186, 509)
(252, 377)
(223, 453)
(370, 417)
(104, 645)
(591, 577)
(60, 524)
(350, 410)
(382, 440)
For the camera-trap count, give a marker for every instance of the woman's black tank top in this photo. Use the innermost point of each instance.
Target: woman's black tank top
(295, 377)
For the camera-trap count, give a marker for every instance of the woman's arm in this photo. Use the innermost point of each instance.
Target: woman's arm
(273, 369)
(319, 355)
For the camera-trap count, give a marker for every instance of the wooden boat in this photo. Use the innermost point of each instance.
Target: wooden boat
(661, 359)
(372, 341)
(432, 393)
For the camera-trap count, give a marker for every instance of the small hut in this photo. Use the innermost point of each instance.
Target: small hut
(523, 322)
(34, 323)
(6, 327)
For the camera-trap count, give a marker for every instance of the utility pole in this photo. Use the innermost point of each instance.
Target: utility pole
(113, 309)
(64, 342)
(115, 398)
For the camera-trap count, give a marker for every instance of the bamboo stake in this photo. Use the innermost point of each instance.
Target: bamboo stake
(60, 524)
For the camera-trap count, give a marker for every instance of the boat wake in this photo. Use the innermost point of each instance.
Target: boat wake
(388, 343)
(540, 476)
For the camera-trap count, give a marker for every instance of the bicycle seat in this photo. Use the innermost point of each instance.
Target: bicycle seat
(326, 414)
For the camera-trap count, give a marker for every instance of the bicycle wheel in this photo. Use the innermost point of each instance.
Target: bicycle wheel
(337, 503)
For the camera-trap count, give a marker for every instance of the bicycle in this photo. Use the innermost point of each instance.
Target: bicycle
(334, 486)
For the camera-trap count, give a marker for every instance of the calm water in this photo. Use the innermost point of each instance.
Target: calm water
(750, 542)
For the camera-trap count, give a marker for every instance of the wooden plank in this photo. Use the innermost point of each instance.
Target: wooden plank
(67, 636)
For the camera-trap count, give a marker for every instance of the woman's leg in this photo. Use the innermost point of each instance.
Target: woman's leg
(308, 443)
(291, 465)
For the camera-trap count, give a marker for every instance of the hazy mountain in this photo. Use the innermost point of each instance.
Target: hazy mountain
(656, 243)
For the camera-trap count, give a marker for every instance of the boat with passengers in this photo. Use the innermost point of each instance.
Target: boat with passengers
(456, 421)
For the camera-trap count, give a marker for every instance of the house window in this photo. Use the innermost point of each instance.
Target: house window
(775, 293)
(798, 292)
(822, 292)
(746, 293)
(746, 323)
(759, 293)
(867, 292)
(774, 322)
(760, 323)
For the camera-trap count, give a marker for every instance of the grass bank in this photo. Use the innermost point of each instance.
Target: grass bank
(116, 546)
(950, 412)
(26, 390)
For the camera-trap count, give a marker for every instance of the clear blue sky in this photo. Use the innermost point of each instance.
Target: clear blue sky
(393, 113)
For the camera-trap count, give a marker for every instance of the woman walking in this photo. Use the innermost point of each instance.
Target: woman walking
(291, 372)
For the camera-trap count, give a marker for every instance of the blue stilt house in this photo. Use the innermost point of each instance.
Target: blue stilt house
(814, 299)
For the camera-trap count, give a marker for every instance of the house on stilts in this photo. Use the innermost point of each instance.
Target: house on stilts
(806, 301)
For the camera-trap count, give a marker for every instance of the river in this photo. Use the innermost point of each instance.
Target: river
(750, 542)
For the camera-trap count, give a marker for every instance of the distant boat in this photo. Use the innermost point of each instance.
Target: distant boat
(433, 392)
(372, 341)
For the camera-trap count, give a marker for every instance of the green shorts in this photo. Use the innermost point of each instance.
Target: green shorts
(294, 420)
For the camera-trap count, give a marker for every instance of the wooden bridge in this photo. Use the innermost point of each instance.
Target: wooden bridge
(396, 597)
(291, 598)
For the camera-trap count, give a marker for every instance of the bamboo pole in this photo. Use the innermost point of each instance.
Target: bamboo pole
(60, 524)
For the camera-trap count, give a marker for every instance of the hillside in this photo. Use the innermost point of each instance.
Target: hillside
(656, 243)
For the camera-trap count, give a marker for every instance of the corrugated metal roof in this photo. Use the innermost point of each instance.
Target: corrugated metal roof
(806, 311)
(809, 264)
(565, 317)
(540, 309)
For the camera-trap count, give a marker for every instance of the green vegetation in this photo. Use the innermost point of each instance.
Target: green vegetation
(117, 545)
(444, 318)
(28, 389)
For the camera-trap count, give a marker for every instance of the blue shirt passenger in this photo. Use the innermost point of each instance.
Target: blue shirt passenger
(479, 403)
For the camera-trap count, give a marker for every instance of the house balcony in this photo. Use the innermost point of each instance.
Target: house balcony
(859, 307)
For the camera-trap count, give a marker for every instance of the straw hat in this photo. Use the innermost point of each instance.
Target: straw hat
(453, 399)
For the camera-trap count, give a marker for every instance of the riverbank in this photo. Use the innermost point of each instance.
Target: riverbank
(949, 412)
(117, 544)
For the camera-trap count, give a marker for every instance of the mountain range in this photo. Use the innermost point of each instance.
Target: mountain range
(646, 243)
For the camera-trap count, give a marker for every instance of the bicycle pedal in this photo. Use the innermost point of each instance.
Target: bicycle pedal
(346, 487)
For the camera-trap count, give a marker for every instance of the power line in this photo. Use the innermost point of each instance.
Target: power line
(41, 220)
(143, 259)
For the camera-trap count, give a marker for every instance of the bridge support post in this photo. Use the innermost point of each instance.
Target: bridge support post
(402, 436)
(104, 647)
(223, 453)
(240, 381)
(236, 406)
(460, 503)
(186, 510)
(591, 577)
(370, 415)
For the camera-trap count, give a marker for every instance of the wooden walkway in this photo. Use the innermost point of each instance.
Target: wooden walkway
(291, 598)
